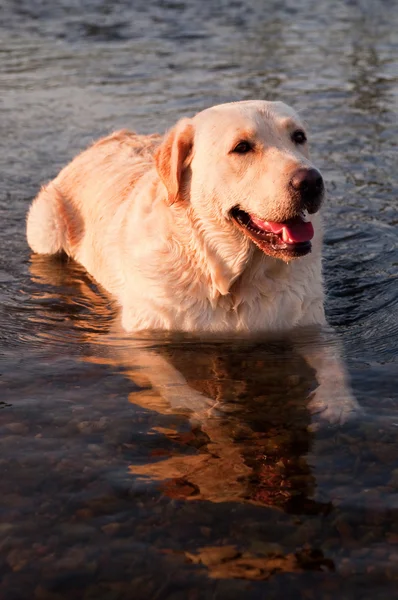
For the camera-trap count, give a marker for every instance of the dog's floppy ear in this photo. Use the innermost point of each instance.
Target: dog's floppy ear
(172, 156)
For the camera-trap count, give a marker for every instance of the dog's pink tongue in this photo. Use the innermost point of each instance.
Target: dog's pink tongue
(292, 231)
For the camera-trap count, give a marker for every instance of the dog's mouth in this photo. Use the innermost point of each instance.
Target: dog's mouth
(289, 239)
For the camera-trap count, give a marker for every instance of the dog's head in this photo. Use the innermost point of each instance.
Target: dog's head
(244, 167)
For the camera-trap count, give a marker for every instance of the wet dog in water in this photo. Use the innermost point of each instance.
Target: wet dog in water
(214, 227)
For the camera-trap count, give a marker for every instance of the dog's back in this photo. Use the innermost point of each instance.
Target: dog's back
(77, 202)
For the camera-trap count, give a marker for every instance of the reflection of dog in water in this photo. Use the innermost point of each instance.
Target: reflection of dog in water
(250, 440)
(251, 447)
(248, 401)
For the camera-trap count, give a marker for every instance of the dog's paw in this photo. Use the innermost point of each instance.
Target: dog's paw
(333, 406)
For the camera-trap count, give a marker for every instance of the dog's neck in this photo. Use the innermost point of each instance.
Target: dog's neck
(227, 261)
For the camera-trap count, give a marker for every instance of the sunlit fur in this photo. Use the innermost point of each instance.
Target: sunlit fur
(149, 218)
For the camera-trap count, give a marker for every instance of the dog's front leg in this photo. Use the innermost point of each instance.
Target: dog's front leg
(333, 399)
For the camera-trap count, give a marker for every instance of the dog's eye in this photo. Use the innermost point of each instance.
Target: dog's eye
(243, 147)
(299, 137)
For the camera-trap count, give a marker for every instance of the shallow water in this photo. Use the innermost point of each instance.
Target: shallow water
(106, 491)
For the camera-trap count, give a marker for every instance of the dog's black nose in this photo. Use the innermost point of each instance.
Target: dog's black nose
(308, 184)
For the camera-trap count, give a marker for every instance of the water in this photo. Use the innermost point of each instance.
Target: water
(106, 492)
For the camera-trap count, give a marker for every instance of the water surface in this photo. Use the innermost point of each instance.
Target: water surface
(106, 491)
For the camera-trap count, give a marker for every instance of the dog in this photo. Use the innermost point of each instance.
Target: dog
(213, 228)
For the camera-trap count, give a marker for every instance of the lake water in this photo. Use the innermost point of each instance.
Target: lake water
(106, 493)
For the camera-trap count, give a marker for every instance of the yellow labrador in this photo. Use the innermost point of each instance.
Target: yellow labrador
(214, 227)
